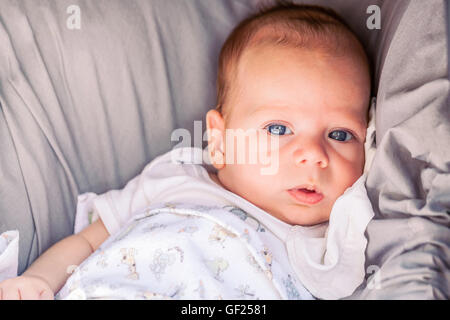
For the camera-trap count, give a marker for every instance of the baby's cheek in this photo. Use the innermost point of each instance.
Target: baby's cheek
(349, 173)
(353, 159)
(359, 164)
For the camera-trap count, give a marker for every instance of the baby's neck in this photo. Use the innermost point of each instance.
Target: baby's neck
(215, 178)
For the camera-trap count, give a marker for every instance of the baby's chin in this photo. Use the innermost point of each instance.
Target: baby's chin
(300, 215)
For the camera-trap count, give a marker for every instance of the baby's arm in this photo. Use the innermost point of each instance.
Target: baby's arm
(49, 272)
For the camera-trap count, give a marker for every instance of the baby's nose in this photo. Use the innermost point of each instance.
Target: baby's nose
(311, 154)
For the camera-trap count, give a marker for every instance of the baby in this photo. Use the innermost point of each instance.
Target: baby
(295, 76)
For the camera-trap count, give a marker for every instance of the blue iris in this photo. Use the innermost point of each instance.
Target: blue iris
(340, 135)
(278, 129)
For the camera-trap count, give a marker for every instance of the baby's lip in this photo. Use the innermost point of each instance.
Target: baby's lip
(307, 186)
(301, 195)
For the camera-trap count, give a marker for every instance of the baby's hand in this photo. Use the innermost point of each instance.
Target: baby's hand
(25, 288)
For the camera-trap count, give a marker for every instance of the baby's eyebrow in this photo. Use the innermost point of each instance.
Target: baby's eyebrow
(270, 108)
(352, 119)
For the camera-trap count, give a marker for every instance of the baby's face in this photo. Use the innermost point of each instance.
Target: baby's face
(315, 107)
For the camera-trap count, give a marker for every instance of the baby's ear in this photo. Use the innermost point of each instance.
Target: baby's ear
(215, 125)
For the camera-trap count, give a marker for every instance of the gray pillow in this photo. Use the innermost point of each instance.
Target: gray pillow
(409, 182)
(85, 109)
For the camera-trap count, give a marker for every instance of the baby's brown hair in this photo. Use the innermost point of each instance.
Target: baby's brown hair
(284, 24)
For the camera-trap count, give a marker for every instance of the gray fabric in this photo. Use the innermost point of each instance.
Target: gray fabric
(85, 110)
(409, 181)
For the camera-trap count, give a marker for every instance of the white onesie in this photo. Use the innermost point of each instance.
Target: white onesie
(179, 251)
(177, 234)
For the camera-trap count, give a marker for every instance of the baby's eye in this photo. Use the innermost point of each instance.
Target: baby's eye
(278, 129)
(340, 135)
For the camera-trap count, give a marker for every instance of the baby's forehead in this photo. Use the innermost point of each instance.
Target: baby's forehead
(266, 45)
(285, 59)
(279, 79)
(294, 25)
(329, 111)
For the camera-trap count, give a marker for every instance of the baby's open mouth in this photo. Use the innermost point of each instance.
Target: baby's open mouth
(306, 195)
